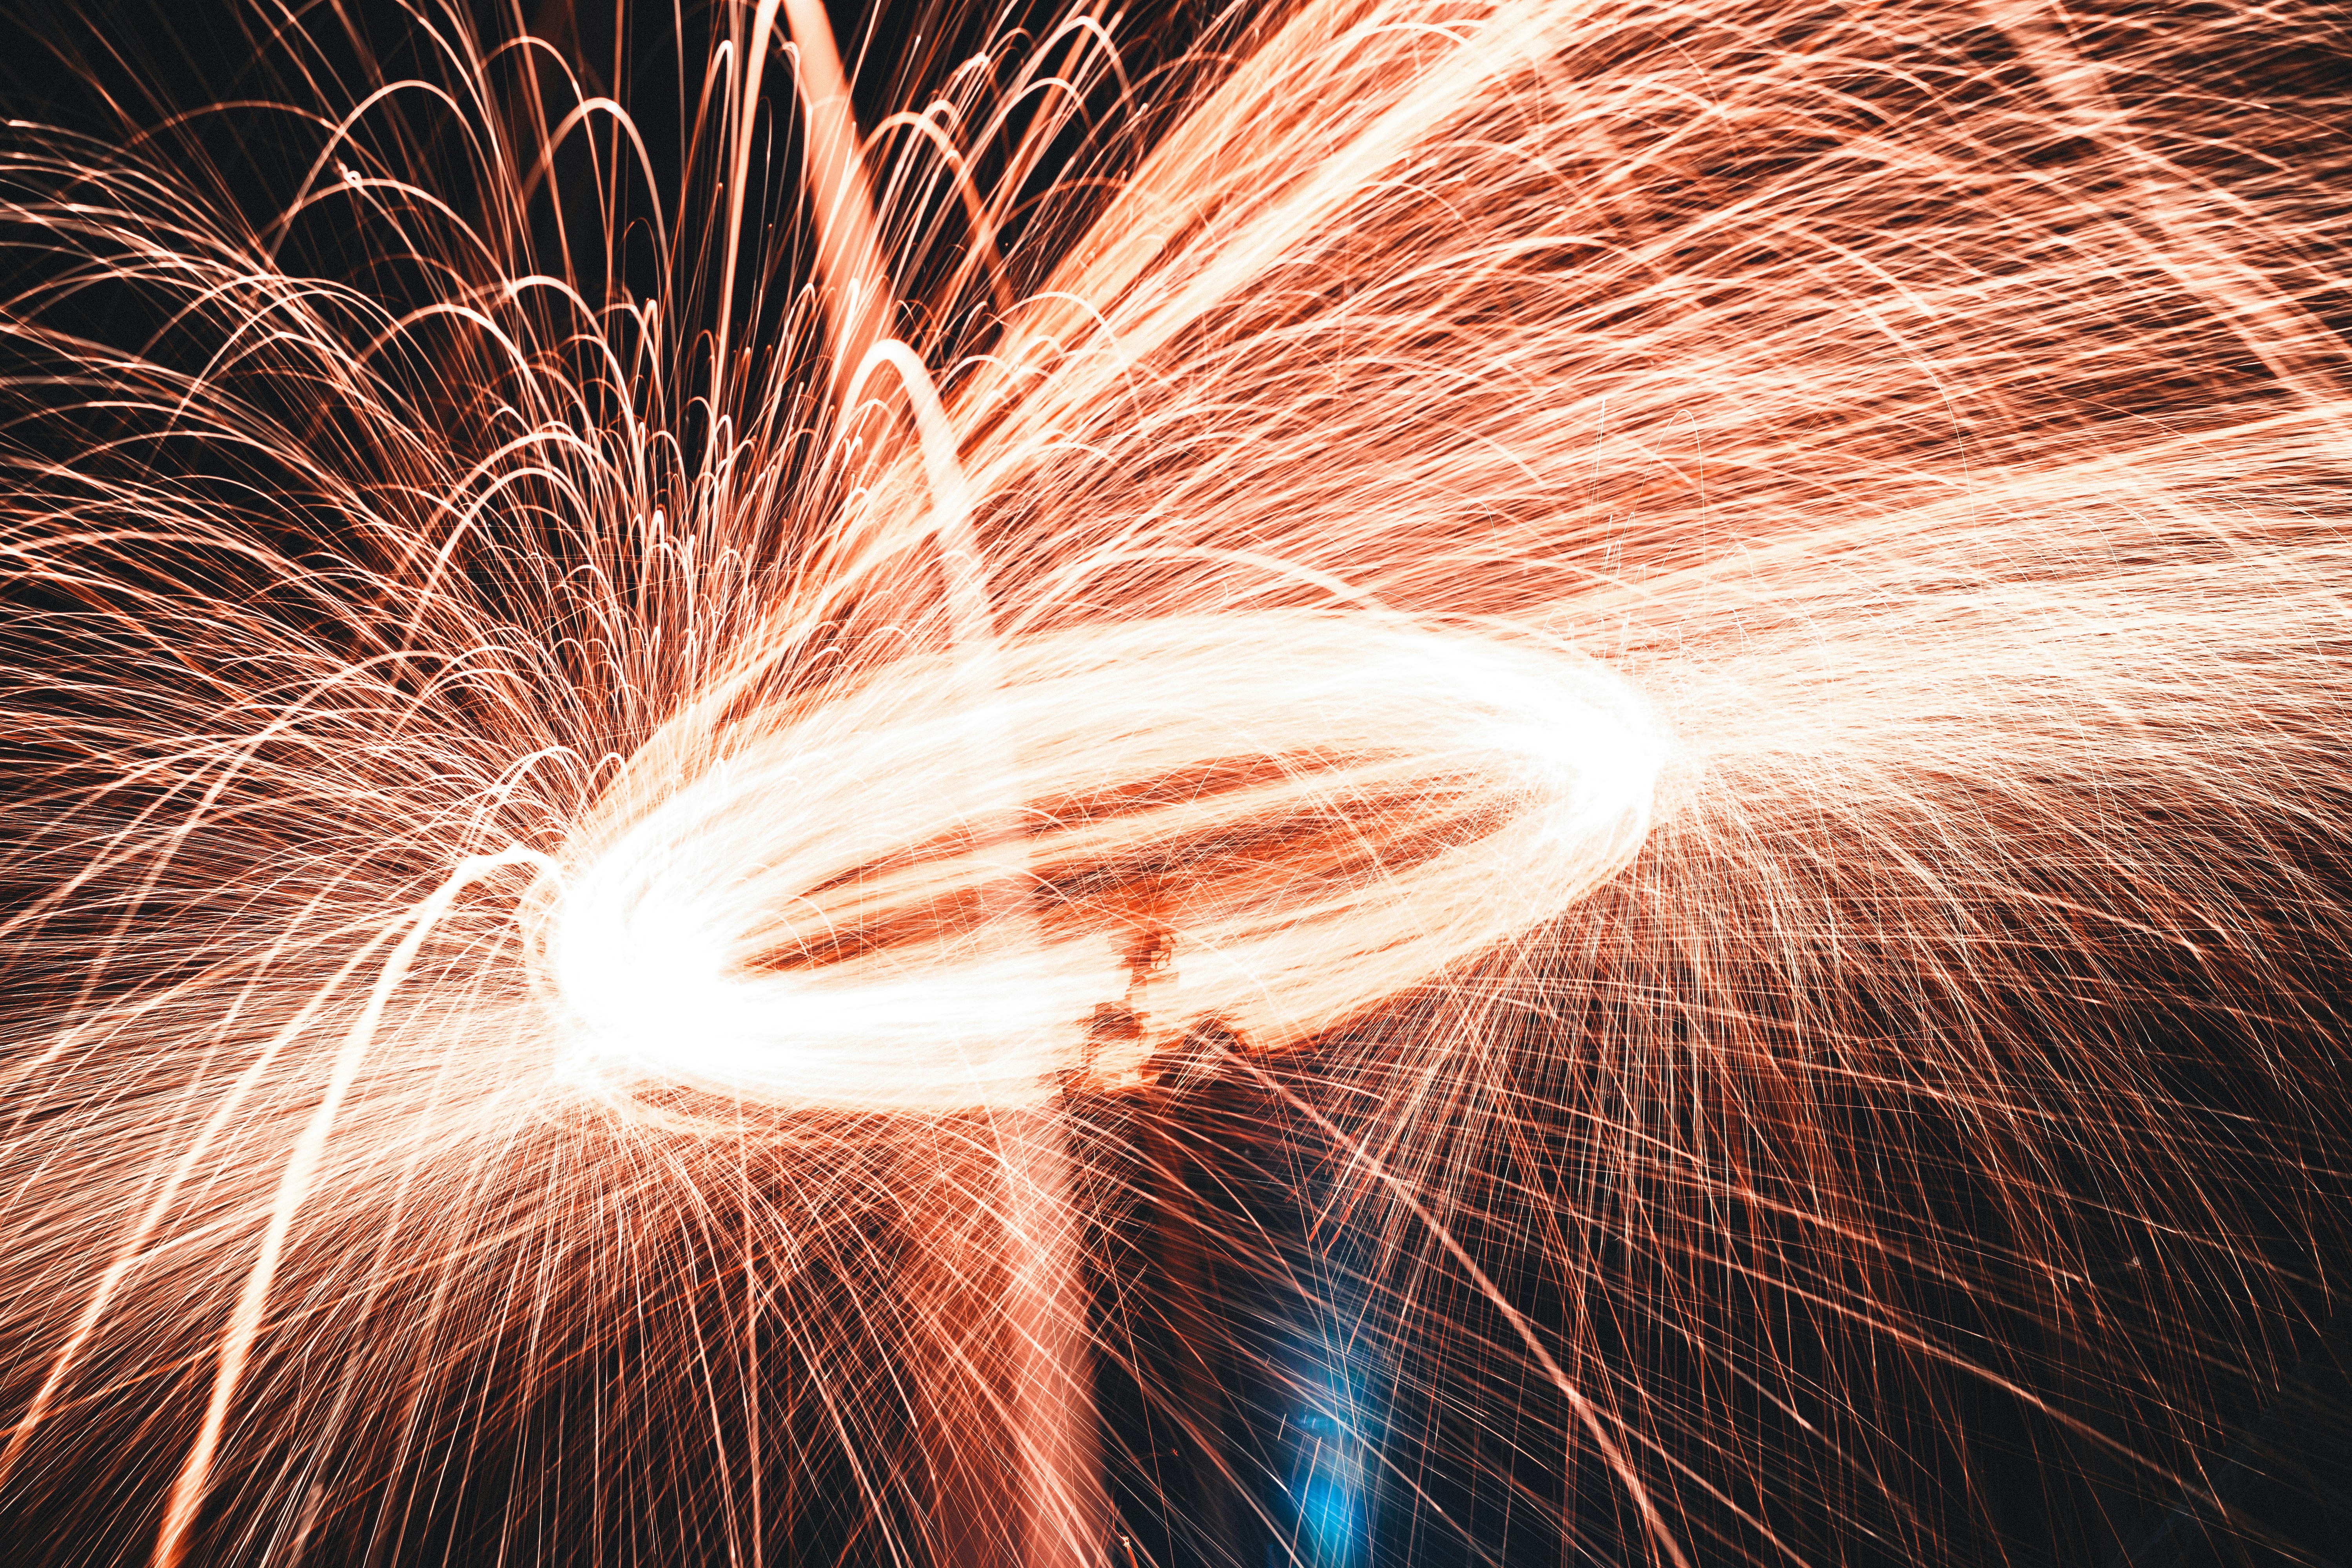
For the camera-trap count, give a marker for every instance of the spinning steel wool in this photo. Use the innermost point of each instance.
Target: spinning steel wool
(1206, 788)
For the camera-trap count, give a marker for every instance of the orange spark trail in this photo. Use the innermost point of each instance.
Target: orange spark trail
(1270, 782)
(294, 1187)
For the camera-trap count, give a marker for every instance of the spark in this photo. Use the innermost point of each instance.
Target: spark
(692, 783)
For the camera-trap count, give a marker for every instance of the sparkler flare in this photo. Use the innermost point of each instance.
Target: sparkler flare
(1363, 778)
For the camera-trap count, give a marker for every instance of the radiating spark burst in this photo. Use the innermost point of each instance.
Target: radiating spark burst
(693, 797)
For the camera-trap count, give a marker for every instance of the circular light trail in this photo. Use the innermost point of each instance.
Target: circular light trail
(1319, 812)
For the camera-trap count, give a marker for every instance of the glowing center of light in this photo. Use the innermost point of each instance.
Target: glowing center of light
(905, 896)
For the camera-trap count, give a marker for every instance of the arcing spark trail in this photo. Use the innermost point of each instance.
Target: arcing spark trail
(1699, 651)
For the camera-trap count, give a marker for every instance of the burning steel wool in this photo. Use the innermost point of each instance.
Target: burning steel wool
(1350, 780)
